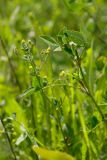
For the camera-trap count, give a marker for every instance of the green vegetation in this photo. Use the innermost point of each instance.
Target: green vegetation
(53, 79)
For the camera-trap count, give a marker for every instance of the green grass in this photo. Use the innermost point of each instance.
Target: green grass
(53, 72)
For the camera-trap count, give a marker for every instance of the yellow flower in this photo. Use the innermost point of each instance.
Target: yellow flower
(48, 50)
(62, 74)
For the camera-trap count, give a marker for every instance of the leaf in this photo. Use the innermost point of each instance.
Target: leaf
(20, 139)
(67, 36)
(74, 6)
(49, 40)
(76, 37)
(84, 150)
(90, 69)
(27, 93)
(93, 121)
(94, 148)
(13, 107)
(52, 155)
(58, 49)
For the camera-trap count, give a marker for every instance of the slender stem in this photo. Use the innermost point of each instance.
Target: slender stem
(10, 62)
(60, 125)
(82, 120)
(9, 141)
(32, 112)
(44, 97)
(87, 88)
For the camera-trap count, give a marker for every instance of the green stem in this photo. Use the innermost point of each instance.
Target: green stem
(87, 88)
(44, 97)
(60, 125)
(83, 125)
(32, 112)
(10, 63)
(9, 141)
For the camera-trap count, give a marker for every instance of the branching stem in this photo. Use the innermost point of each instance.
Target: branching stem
(86, 86)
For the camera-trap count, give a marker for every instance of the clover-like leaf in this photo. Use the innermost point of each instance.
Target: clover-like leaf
(49, 40)
(66, 36)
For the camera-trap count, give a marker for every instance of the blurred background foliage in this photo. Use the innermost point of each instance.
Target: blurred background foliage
(53, 117)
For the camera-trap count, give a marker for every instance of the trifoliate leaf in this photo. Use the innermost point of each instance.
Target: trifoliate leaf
(66, 36)
(49, 40)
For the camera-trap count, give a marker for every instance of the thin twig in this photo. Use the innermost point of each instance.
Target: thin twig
(8, 138)
(87, 88)
(10, 62)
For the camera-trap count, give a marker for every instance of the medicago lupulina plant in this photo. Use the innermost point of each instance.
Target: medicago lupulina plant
(75, 86)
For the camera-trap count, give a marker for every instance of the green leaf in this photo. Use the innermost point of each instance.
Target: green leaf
(76, 37)
(73, 5)
(67, 36)
(49, 40)
(20, 139)
(84, 150)
(90, 69)
(27, 93)
(13, 107)
(58, 49)
(52, 155)
(93, 121)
